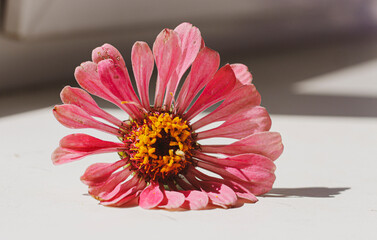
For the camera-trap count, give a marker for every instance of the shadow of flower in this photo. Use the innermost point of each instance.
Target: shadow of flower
(313, 192)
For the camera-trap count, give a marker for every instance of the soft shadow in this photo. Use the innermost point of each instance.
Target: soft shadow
(313, 192)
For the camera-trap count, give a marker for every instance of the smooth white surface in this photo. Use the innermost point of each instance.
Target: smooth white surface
(325, 188)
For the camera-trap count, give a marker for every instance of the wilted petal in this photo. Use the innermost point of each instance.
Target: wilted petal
(195, 200)
(242, 73)
(97, 173)
(172, 200)
(220, 194)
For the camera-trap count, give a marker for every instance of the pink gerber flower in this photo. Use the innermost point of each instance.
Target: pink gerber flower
(161, 164)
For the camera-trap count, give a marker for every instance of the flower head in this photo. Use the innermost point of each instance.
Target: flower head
(162, 161)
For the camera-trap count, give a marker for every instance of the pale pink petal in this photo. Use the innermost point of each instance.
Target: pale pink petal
(72, 116)
(216, 90)
(151, 197)
(172, 200)
(220, 194)
(202, 71)
(118, 188)
(87, 76)
(142, 65)
(240, 98)
(195, 200)
(241, 124)
(190, 39)
(190, 44)
(97, 173)
(265, 143)
(113, 78)
(167, 53)
(82, 99)
(241, 191)
(242, 73)
(86, 143)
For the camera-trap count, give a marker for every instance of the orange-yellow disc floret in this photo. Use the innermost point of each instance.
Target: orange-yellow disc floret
(161, 146)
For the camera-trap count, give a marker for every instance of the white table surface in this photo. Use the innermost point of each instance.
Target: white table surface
(325, 188)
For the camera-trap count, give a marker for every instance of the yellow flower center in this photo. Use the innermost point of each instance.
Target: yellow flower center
(160, 147)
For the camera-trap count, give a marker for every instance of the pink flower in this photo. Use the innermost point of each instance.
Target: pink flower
(161, 162)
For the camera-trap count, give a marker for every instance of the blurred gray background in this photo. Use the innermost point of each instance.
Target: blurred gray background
(307, 57)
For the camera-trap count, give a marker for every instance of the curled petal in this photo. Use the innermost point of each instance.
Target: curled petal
(202, 71)
(216, 90)
(243, 97)
(242, 73)
(241, 124)
(82, 99)
(72, 116)
(151, 197)
(107, 51)
(265, 143)
(167, 53)
(142, 65)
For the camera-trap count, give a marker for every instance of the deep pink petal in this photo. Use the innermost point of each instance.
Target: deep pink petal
(82, 99)
(86, 143)
(172, 200)
(241, 124)
(220, 194)
(216, 90)
(195, 200)
(167, 53)
(268, 144)
(72, 116)
(240, 98)
(202, 71)
(97, 173)
(151, 197)
(242, 73)
(142, 65)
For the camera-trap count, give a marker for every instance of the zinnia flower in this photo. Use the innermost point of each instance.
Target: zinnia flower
(161, 164)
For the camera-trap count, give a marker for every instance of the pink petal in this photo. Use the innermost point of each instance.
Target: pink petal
(86, 143)
(107, 51)
(167, 53)
(240, 98)
(172, 200)
(265, 143)
(237, 161)
(113, 78)
(216, 90)
(111, 186)
(142, 65)
(190, 44)
(202, 71)
(241, 124)
(64, 155)
(242, 73)
(220, 194)
(97, 173)
(241, 191)
(82, 99)
(118, 189)
(151, 197)
(87, 76)
(195, 200)
(72, 116)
